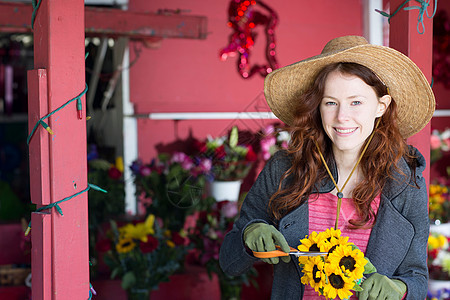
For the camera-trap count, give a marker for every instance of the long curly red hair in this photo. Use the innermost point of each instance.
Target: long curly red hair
(307, 170)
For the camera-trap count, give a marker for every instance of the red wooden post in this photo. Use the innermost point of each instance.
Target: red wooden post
(404, 37)
(58, 168)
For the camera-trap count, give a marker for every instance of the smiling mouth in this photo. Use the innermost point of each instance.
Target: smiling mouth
(350, 130)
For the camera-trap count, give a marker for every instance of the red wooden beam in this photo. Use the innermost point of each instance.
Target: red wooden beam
(16, 17)
(60, 255)
(404, 37)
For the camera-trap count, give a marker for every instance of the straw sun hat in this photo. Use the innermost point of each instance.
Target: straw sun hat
(407, 85)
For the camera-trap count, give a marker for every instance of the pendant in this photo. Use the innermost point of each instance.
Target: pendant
(340, 195)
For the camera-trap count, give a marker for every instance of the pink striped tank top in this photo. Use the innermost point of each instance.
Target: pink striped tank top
(322, 215)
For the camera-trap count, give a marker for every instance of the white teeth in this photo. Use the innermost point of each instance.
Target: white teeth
(345, 130)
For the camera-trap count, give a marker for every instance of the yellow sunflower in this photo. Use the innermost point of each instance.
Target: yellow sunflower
(334, 242)
(313, 242)
(313, 272)
(338, 285)
(125, 245)
(350, 261)
(332, 233)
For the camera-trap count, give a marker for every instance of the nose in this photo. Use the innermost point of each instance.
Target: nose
(343, 113)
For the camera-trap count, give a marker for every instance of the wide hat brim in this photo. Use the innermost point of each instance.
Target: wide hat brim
(407, 84)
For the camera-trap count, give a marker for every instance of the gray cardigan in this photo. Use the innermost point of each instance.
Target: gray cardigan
(397, 245)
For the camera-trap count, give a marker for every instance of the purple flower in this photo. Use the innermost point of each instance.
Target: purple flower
(136, 166)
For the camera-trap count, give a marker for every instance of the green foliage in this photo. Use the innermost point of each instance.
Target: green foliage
(143, 254)
(175, 190)
(103, 207)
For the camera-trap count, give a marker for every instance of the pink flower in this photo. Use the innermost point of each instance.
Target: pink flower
(184, 160)
(269, 130)
(187, 164)
(230, 209)
(179, 157)
(435, 142)
(268, 142)
(145, 171)
(205, 165)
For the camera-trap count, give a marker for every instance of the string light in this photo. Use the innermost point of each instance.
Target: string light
(423, 8)
(45, 125)
(35, 9)
(58, 208)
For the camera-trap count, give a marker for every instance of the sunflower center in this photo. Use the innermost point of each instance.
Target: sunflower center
(316, 278)
(332, 249)
(336, 281)
(348, 262)
(126, 244)
(314, 247)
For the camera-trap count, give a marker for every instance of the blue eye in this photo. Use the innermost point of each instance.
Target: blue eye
(356, 102)
(330, 103)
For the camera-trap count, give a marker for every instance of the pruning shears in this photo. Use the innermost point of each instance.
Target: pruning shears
(293, 251)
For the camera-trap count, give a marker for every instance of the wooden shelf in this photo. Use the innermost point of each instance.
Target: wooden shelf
(15, 118)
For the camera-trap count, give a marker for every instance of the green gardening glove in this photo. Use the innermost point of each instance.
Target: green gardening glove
(381, 287)
(262, 237)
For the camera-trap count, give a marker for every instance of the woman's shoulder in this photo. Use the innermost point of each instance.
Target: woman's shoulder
(413, 160)
(282, 159)
(408, 177)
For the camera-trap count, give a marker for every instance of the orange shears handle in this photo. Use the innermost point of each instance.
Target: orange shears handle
(274, 253)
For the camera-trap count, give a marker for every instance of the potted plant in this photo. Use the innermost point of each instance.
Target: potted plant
(206, 236)
(143, 254)
(231, 162)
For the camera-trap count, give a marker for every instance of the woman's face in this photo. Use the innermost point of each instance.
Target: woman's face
(348, 110)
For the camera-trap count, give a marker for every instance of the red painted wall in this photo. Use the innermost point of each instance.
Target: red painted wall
(187, 75)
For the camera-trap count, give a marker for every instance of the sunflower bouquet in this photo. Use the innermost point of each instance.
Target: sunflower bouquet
(338, 273)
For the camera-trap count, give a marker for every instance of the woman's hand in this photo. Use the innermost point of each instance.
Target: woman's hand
(262, 237)
(381, 287)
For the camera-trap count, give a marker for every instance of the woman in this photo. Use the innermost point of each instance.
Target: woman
(350, 110)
